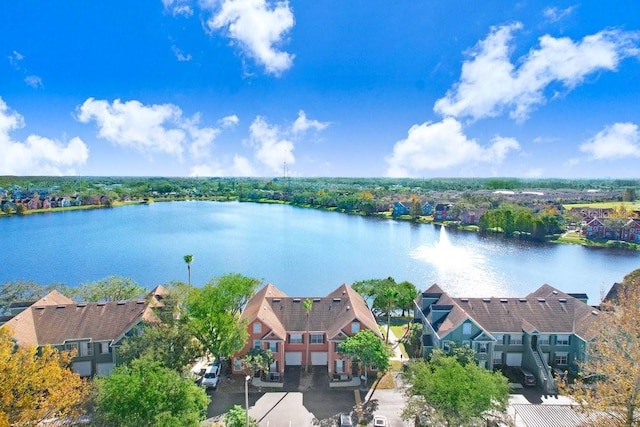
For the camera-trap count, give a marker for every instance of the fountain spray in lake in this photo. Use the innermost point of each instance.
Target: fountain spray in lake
(460, 270)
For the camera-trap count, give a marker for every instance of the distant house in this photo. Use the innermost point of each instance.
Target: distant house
(613, 229)
(546, 329)
(279, 323)
(442, 212)
(93, 329)
(400, 208)
(427, 209)
(471, 217)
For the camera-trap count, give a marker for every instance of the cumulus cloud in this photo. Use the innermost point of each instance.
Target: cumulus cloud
(257, 27)
(37, 155)
(241, 166)
(620, 140)
(230, 121)
(273, 146)
(555, 14)
(302, 124)
(158, 128)
(272, 149)
(441, 145)
(491, 84)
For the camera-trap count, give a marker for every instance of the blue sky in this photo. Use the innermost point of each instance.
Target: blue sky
(346, 88)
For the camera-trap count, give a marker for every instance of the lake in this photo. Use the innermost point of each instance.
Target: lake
(303, 252)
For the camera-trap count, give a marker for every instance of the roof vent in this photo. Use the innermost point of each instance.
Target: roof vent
(276, 300)
(562, 300)
(486, 299)
(122, 302)
(100, 304)
(555, 292)
(296, 300)
(39, 308)
(337, 300)
(316, 300)
(522, 300)
(504, 300)
(139, 302)
(348, 307)
(594, 312)
(60, 306)
(81, 304)
(344, 292)
(542, 300)
(464, 299)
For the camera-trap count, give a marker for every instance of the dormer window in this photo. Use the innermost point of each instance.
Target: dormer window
(355, 327)
(257, 328)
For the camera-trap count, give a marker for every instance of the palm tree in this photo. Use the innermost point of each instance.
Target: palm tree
(188, 259)
(307, 304)
(390, 296)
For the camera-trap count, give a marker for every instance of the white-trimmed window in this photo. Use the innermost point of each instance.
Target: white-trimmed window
(446, 346)
(86, 348)
(562, 339)
(497, 358)
(273, 346)
(543, 339)
(257, 344)
(515, 339)
(482, 347)
(104, 348)
(317, 339)
(70, 346)
(499, 339)
(257, 327)
(355, 327)
(466, 328)
(295, 339)
(561, 358)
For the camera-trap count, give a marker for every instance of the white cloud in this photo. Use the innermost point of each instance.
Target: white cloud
(147, 128)
(620, 140)
(554, 14)
(257, 27)
(178, 7)
(271, 148)
(241, 166)
(490, 83)
(33, 81)
(37, 155)
(441, 145)
(302, 124)
(180, 56)
(15, 58)
(229, 121)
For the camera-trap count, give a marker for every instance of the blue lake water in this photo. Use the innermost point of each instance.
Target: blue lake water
(301, 251)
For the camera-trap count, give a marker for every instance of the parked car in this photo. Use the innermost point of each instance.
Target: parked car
(380, 421)
(210, 377)
(526, 378)
(346, 420)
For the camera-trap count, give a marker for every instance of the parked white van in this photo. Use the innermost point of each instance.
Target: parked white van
(210, 377)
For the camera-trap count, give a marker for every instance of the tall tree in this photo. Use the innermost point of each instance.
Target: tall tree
(389, 300)
(367, 348)
(459, 394)
(112, 288)
(213, 312)
(188, 259)
(609, 384)
(145, 393)
(36, 384)
(307, 304)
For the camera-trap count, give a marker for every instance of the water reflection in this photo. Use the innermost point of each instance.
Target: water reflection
(466, 270)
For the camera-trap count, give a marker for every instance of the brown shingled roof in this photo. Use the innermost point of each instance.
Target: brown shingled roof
(332, 313)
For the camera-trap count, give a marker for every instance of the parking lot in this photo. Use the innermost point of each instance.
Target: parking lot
(306, 401)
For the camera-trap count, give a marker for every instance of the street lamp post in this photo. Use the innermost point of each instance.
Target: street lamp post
(246, 399)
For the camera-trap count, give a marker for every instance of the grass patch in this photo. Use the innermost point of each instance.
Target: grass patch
(386, 382)
(601, 205)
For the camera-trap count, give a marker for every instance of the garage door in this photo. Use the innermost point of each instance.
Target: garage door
(319, 358)
(293, 358)
(514, 359)
(82, 368)
(104, 369)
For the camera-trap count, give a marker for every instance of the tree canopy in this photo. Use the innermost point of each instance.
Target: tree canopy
(609, 382)
(112, 288)
(212, 313)
(367, 348)
(455, 394)
(36, 384)
(144, 393)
